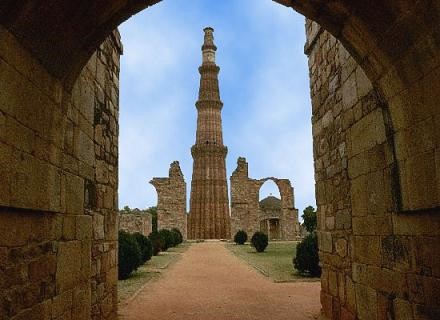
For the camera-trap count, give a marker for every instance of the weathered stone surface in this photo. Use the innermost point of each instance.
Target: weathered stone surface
(171, 200)
(248, 214)
(140, 222)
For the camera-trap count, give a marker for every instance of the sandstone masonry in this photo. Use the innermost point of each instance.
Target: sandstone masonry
(246, 213)
(136, 222)
(171, 200)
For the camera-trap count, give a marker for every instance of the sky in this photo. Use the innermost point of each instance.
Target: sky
(264, 86)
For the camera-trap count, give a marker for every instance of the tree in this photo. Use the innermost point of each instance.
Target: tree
(309, 216)
(125, 210)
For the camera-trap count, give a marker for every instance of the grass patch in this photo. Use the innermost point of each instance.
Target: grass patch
(275, 262)
(151, 270)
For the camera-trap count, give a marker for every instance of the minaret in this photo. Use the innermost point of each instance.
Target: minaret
(209, 209)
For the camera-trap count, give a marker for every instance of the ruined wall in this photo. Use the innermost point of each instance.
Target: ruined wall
(58, 190)
(132, 222)
(171, 200)
(378, 262)
(245, 207)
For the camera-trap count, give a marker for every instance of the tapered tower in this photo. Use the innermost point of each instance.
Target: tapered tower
(209, 208)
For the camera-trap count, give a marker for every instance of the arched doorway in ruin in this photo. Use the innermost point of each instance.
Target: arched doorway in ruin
(385, 145)
(270, 214)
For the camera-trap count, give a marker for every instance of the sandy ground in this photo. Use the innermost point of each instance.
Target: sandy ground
(209, 283)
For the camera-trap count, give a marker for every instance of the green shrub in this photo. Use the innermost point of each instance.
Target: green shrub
(178, 238)
(129, 255)
(259, 241)
(307, 259)
(157, 242)
(168, 239)
(145, 246)
(240, 237)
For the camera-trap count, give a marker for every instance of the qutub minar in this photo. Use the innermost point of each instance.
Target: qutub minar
(209, 216)
(209, 208)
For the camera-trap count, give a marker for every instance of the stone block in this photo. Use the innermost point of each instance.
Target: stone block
(366, 249)
(73, 194)
(366, 302)
(367, 132)
(69, 228)
(98, 226)
(61, 303)
(341, 247)
(359, 200)
(85, 148)
(372, 225)
(43, 268)
(419, 185)
(363, 84)
(36, 183)
(402, 309)
(84, 227)
(325, 241)
(333, 283)
(349, 92)
(326, 305)
(5, 173)
(68, 274)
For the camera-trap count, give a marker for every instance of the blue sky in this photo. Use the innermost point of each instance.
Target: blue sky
(263, 85)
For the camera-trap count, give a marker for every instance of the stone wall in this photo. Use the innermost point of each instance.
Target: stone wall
(171, 200)
(379, 262)
(58, 195)
(132, 222)
(245, 207)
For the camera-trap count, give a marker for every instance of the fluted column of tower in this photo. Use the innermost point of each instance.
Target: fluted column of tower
(209, 208)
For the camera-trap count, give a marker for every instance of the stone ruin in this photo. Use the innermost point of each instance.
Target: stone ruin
(136, 221)
(171, 200)
(247, 213)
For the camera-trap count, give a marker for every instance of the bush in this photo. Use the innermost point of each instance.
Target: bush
(259, 241)
(157, 242)
(145, 246)
(178, 238)
(307, 259)
(240, 237)
(168, 239)
(129, 255)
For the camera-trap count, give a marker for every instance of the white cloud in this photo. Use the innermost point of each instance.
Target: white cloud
(263, 81)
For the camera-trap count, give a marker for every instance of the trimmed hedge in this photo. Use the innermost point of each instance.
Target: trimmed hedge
(129, 255)
(259, 241)
(145, 246)
(307, 258)
(178, 237)
(240, 237)
(168, 239)
(157, 242)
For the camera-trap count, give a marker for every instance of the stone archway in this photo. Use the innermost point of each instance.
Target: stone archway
(246, 213)
(375, 112)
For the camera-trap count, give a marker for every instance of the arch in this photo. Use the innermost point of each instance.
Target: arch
(63, 36)
(395, 42)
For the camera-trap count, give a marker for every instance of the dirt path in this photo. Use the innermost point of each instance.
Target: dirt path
(209, 283)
